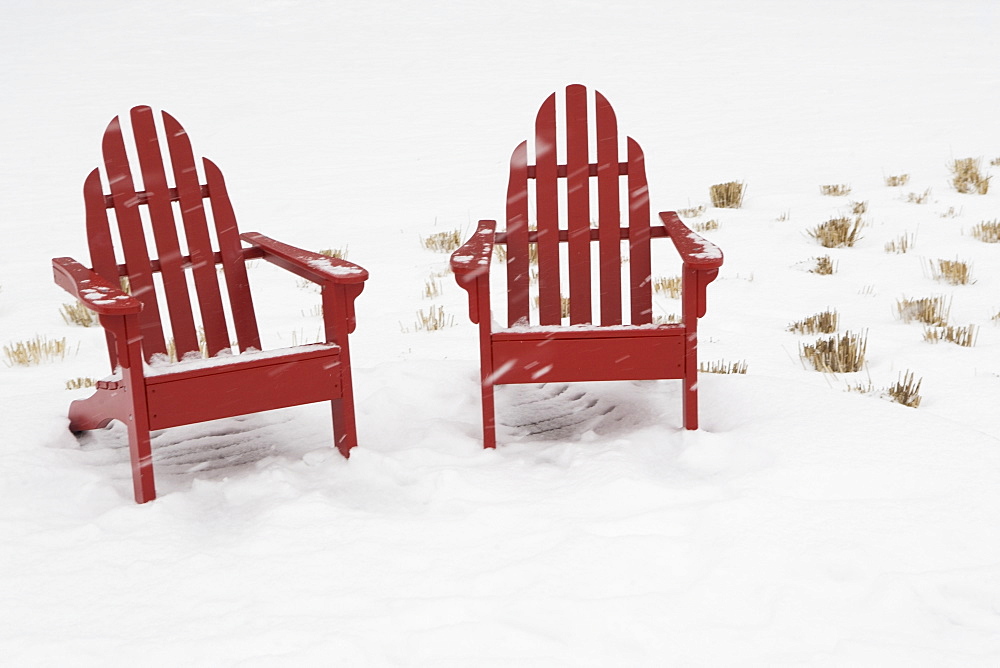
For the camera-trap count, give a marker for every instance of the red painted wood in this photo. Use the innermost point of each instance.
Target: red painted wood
(609, 213)
(201, 258)
(621, 357)
(516, 238)
(133, 239)
(291, 380)
(168, 249)
(640, 265)
(237, 283)
(547, 213)
(229, 385)
(610, 350)
(577, 174)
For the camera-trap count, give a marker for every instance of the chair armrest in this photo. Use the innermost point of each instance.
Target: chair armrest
(311, 266)
(92, 289)
(472, 259)
(695, 251)
(471, 266)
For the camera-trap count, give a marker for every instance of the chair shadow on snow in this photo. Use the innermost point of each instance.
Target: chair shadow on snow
(216, 450)
(571, 411)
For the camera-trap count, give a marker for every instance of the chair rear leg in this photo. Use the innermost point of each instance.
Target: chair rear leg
(489, 417)
(345, 433)
(690, 403)
(141, 455)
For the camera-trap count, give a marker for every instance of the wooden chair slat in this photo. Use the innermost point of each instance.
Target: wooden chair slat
(577, 172)
(609, 214)
(640, 264)
(199, 242)
(175, 287)
(518, 265)
(102, 244)
(133, 239)
(547, 212)
(233, 265)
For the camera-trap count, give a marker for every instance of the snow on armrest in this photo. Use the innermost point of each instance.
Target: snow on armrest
(92, 289)
(696, 251)
(472, 258)
(312, 266)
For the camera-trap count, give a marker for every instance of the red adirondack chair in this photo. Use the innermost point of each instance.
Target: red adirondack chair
(149, 397)
(553, 219)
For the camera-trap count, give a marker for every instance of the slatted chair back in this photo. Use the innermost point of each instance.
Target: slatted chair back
(590, 176)
(178, 251)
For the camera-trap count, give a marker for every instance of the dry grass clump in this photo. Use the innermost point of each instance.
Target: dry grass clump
(432, 288)
(932, 311)
(563, 306)
(80, 383)
(843, 354)
(824, 266)
(952, 212)
(996, 318)
(35, 351)
(707, 226)
(858, 208)
(442, 242)
(671, 285)
(838, 232)
(78, 314)
(669, 319)
(953, 272)
(905, 391)
(836, 190)
(339, 253)
(821, 323)
(501, 252)
(963, 336)
(722, 366)
(432, 321)
(900, 244)
(691, 212)
(987, 231)
(995, 162)
(919, 198)
(898, 180)
(727, 195)
(966, 177)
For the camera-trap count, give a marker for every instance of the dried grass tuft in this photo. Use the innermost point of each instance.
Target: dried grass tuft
(836, 190)
(987, 231)
(966, 177)
(707, 226)
(843, 354)
(670, 285)
(691, 212)
(80, 383)
(727, 195)
(932, 311)
(838, 232)
(906, 390)
(433, 320)
(669, 319)
(899, 180)
(339, 253)
(858, 208)
(900, 244)
(953, 272)
(824, 266)
(919, 198)
(821, 323)
(432, 288)
(963, 336)
(442, 242)
(952, 212)
(78, 314)
(722, 366)
(34, 351)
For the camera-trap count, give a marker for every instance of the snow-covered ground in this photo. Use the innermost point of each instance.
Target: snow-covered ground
(803, 525)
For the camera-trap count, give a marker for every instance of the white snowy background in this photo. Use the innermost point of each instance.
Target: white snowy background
(803, 525)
